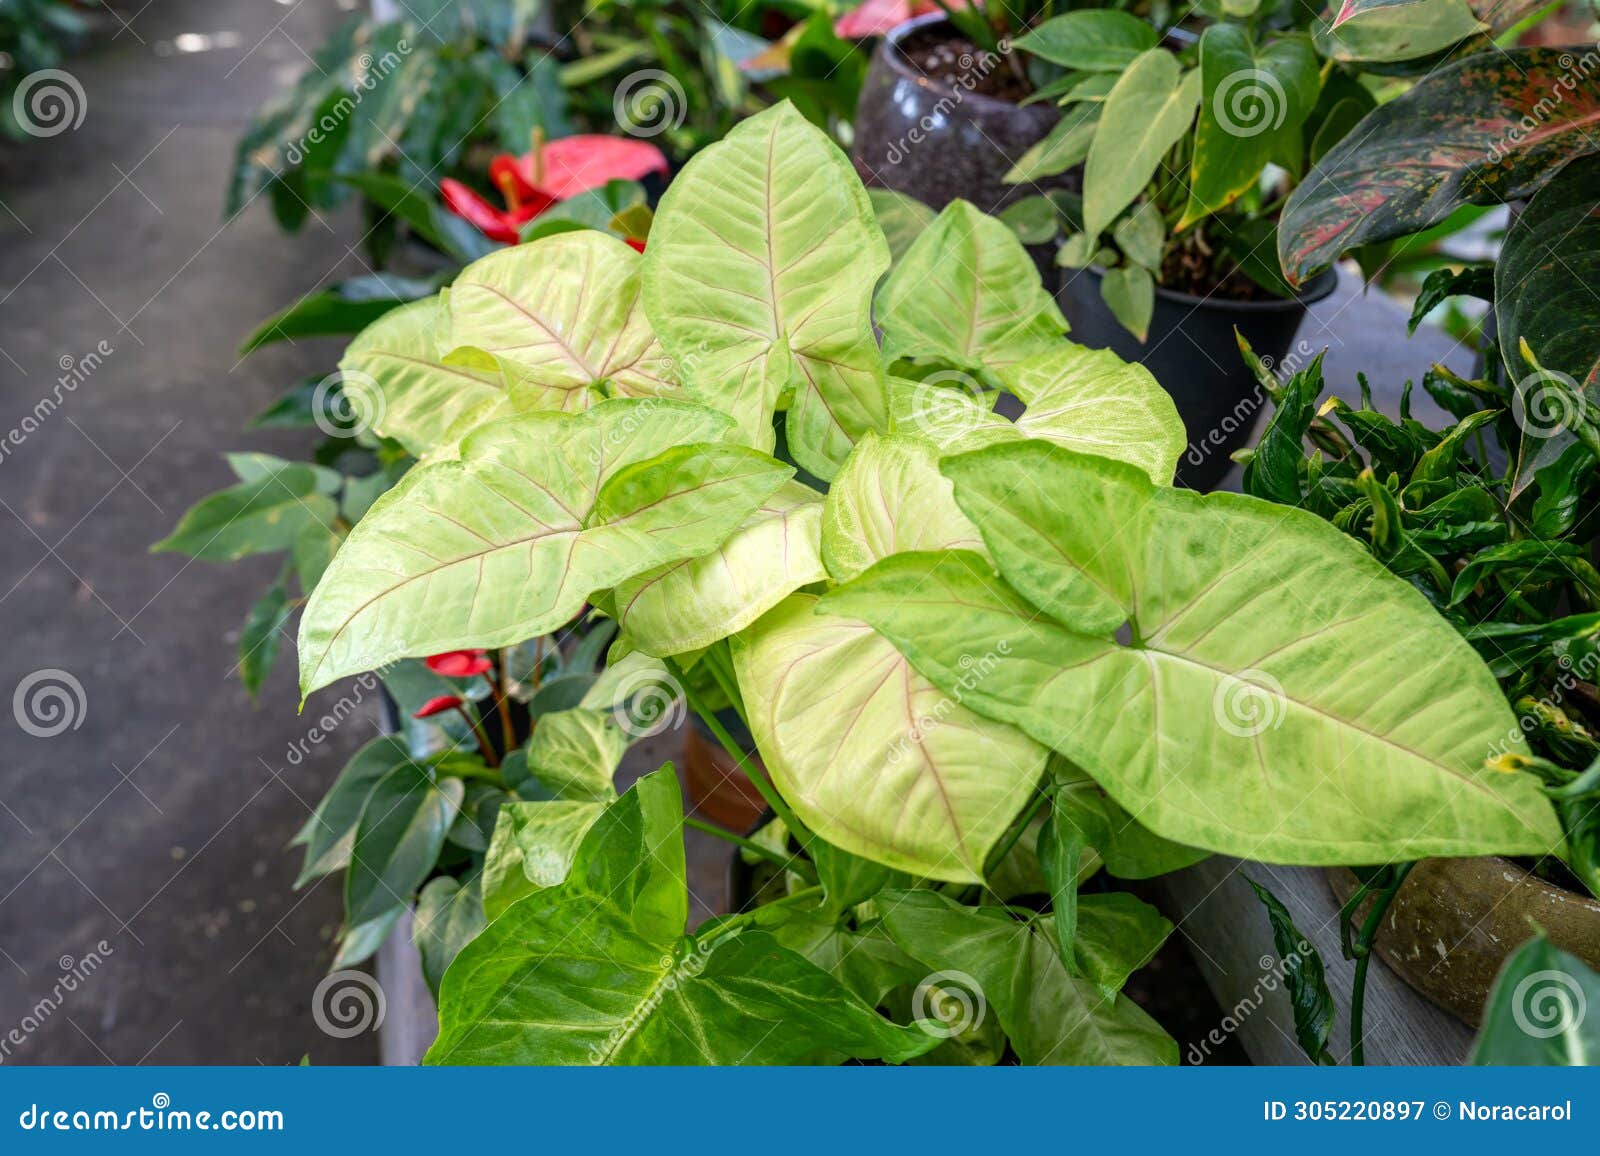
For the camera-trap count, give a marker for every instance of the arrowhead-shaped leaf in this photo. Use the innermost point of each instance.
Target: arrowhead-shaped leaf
(870, 754)
(967, 294)
(758, 280)
(562, 319)
(542, 510)
(1088, 400)
(1051, 1017)
(1483, 130)
(687, 605)
(1247, 714)
(399, 387)
(890, 497)
(598, 970)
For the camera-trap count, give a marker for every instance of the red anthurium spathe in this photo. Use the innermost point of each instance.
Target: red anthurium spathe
(554, 171)
(880, 17)
(635, 244)
(460, 663)
(439, 705)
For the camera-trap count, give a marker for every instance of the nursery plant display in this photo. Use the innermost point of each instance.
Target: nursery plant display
(970, 650)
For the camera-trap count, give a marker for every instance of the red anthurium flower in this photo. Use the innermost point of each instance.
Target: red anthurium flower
(553, 172)
(880, 17)
(635, 244)
(460, 663)
(439, 705)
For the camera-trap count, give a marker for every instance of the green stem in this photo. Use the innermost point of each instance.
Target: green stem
(1383, 896)
(742, 760)
(735, 922)
(795, 863)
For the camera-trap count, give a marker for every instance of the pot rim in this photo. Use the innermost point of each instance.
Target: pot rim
(888, 51)
(1315, 290)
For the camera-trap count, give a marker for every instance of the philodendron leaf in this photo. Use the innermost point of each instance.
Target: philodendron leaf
(1281, 695)
(1542, 1010)
(398, 386)
(542, 510)
(1050, 1016)
(871, 756)
(1116, 936)
(561, 317)
(1543, 283)
(598, 970)
(687, 605)
(1480, 131)
(1150, 108)
(397, 841)
(532, 848)
(890, 497)
(1129, 848)
(254, 517)
(1088, 400)
(1252, 100)
(574, 753)
(758, 280)
(967, 294)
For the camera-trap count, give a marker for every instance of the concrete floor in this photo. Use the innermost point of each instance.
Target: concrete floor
(157, 825)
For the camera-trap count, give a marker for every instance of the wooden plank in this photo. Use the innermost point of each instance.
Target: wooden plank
(1225, 926)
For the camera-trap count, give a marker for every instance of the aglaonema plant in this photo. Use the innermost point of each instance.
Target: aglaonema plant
(970, 649)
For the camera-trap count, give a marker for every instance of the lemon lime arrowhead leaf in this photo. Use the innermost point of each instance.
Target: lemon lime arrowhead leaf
(561, 317)
(542, 510)
(758, 280)
(687, 605)
(967, 294)
(1283, 697)
(870, 754)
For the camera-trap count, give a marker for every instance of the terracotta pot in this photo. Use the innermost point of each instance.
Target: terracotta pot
(1454, 922)
(717, 787)
(1192, 351)
(937, 141)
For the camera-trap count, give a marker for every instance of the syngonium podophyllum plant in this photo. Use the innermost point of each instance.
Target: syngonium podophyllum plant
(981, 658)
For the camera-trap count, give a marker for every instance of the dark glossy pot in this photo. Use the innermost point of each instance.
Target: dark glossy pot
(937, 141)
(1193, 353)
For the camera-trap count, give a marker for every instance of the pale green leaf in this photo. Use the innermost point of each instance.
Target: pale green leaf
(891, 497)
(1376, 31)
(398, 387)
(1281, 697)
(508, 543)
(871, 756)
(758, 280)
(532, 848)
(1141, 236)
(562, 319)
(1151, 107)
(1065, 146)
(688, 605)
(574, 753)
(901, 218)
(967, 294)
(1130, 293)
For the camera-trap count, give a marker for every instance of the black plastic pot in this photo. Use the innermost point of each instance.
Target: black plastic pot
(1193, 353)
(937, 141)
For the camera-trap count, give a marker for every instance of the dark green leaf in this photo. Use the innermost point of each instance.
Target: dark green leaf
(397, 841)
(259, 639)
(1544, 1009)
(1303, 975)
